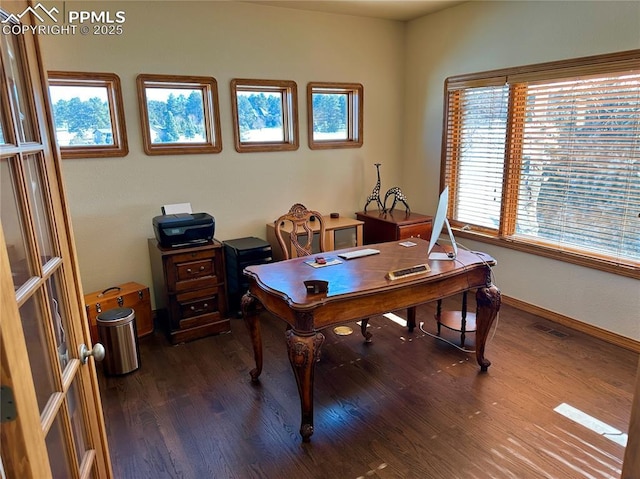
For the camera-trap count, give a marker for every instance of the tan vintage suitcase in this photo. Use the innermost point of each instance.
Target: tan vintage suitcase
(126, 295)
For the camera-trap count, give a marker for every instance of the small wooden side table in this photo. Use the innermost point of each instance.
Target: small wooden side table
(380, 227)
(331, 227)
(460, 321)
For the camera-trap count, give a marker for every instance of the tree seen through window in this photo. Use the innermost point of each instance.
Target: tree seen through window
(81, 121)
(330, 115)
(260, 116)
(175, 116)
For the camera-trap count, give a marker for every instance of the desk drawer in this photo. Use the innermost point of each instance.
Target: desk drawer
(422, 230)
(197, 307)
(202, 320)
(193, 270)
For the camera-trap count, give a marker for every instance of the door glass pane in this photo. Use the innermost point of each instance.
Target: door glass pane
(2, 139)
(58, 453)
(35, 181)
(33, 320)
(16, 76)
(12, 225)
(59, 317)
(77, 424)
(67, 420)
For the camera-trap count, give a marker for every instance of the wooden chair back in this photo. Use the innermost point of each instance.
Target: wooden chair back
(300, 222)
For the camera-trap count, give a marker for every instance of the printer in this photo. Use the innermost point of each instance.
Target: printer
(183, 229)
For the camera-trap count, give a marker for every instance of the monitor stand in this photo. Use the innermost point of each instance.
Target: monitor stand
(450, 256)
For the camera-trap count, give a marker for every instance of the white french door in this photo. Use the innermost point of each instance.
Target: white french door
(52, 423)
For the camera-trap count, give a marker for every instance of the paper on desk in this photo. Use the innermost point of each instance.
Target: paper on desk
(408, 244)
(330, 262)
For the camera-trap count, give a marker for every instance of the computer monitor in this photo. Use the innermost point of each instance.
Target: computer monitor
(440, 221)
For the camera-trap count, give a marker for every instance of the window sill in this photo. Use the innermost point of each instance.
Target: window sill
(608, 265)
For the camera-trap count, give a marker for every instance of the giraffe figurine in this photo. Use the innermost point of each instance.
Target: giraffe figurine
(397, 196)
(375, 194)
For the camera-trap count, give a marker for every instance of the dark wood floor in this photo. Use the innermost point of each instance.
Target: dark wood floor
(405, 406)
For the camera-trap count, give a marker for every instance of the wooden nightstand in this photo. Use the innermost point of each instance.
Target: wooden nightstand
(189, 286)
(382, 227)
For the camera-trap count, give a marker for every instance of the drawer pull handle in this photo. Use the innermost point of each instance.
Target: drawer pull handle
(190, 271)
(201, 310)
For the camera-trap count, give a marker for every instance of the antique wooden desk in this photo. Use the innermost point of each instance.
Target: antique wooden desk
(358, 288)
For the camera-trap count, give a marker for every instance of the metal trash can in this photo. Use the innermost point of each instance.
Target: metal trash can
(117, 332)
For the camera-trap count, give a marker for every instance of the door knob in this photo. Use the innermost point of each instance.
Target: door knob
(97, 352)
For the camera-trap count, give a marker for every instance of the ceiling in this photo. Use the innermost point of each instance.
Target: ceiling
(401, 10)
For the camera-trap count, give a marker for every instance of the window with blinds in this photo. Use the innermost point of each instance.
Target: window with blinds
(547, 158)
(475, 156)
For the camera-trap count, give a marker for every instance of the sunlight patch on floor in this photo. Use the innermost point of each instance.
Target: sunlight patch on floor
(396, 319)
(372, 472)
(592, 423)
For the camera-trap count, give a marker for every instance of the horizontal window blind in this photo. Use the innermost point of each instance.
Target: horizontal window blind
(580, 177)
(549, 156)
(475, 153)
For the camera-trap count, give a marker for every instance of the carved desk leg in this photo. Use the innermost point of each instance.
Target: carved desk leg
(304, 351)
(365, 333)
(251, 308)
(488, 304)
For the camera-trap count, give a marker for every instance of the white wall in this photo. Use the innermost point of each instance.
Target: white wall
(113, 200)
(480, 36)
